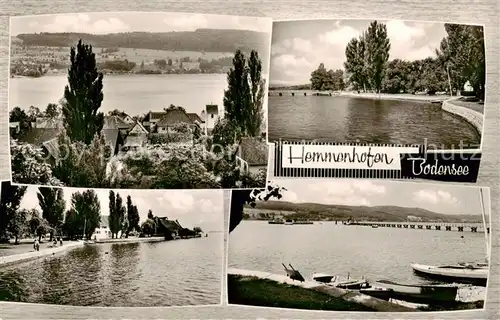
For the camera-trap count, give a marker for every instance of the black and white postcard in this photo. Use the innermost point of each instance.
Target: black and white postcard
(111, 248)
(377, 82)
(139, 100)
(359, 245)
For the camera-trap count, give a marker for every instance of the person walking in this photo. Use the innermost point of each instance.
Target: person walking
(37, 245)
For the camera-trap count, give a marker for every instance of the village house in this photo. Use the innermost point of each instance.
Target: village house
(251, 155)
(136, 137)
(165, 121)
(103, 231)
(211, 115)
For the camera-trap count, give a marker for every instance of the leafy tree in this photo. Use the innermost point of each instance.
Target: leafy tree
(120, 213)
(83, 96)
(10, 200)
(33, 113)
(52, 203)
(238, 93)
(18, 224)
(114, 221)
(133, 216)
(88, 210)
(376, 54)
(253, 113)
(148, 227)
(52, 110)
(80, 165)
(29, 165)
(225, 133)
(355, 63)
(19, 115)
(73, 224)
(319, 78)
(37, 225)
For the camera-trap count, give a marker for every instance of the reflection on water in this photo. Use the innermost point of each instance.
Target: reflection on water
(343, 119)
(376, 253)
(184, 272)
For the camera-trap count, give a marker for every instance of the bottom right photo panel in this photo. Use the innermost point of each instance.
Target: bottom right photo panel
(359, 245)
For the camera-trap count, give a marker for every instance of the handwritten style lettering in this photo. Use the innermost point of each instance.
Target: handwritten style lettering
(368, 158)
(420, 168)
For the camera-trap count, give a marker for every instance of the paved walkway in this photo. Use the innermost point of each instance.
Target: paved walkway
(45, 250)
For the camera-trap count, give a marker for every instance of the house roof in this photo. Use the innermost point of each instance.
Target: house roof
(53, 123)
(140, 126)
(174, 116)
(154, 115)
(194, 117)
(253, 150)
(111, 137)
(115, 122)
(170, 224)
(212, 108)
(37, 136)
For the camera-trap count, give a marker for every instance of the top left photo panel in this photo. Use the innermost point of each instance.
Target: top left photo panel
(139, 100)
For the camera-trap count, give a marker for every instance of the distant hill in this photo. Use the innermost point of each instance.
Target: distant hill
(378, 213)
(208, 40)
(295, 87)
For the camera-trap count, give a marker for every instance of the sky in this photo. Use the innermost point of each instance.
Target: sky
(298, 47)
(115, 22)
(202, 208)
(436, 197)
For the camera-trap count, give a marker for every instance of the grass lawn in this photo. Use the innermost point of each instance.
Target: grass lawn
(268, 293)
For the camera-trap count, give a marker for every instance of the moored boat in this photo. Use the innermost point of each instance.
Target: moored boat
(461, 273)
(374, 225)
(470, 273)
(423, 294)
(288, 222)
(276, 221)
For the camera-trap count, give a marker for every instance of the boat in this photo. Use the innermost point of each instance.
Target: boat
(288, 222)
(303, 222)
(275, 221)
(377, 292)
(470, 273)
(339, 282)
(423, 294)
(461, 273)
(322, 277)
(293, 274)
(374, 225)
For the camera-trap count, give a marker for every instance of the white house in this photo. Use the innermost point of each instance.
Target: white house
(103, 231)
(211, 116)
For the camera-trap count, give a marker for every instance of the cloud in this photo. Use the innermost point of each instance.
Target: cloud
(339, 36)
(404, 37)
(81, 22)
(435, 197)
(191, 22)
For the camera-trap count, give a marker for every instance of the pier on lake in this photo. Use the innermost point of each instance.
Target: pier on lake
(444, 226)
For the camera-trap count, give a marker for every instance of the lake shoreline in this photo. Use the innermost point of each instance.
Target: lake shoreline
(33, 255)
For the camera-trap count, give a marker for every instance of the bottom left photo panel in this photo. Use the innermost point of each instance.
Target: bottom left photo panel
(111, 248)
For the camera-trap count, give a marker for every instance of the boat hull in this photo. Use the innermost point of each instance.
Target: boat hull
(478, 276)
(422, 294)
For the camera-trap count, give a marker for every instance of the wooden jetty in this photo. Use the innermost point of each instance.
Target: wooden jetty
(446, 226)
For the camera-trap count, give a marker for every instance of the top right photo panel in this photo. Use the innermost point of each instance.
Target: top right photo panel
(375, 82)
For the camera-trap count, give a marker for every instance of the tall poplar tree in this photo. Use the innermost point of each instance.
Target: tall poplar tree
(83, 95)
(376, 54)
(114, 222)
(253, 114)
(132, 215)
(53, 205)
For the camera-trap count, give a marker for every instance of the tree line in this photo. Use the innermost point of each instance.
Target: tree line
(79, 221)
(459, 59)
(201, 40)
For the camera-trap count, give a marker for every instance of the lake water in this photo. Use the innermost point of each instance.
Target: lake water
(375, 253)
(346, 119)
(170, 273)
(134, 94)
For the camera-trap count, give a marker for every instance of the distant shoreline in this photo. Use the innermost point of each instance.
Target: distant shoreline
(367, 95)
